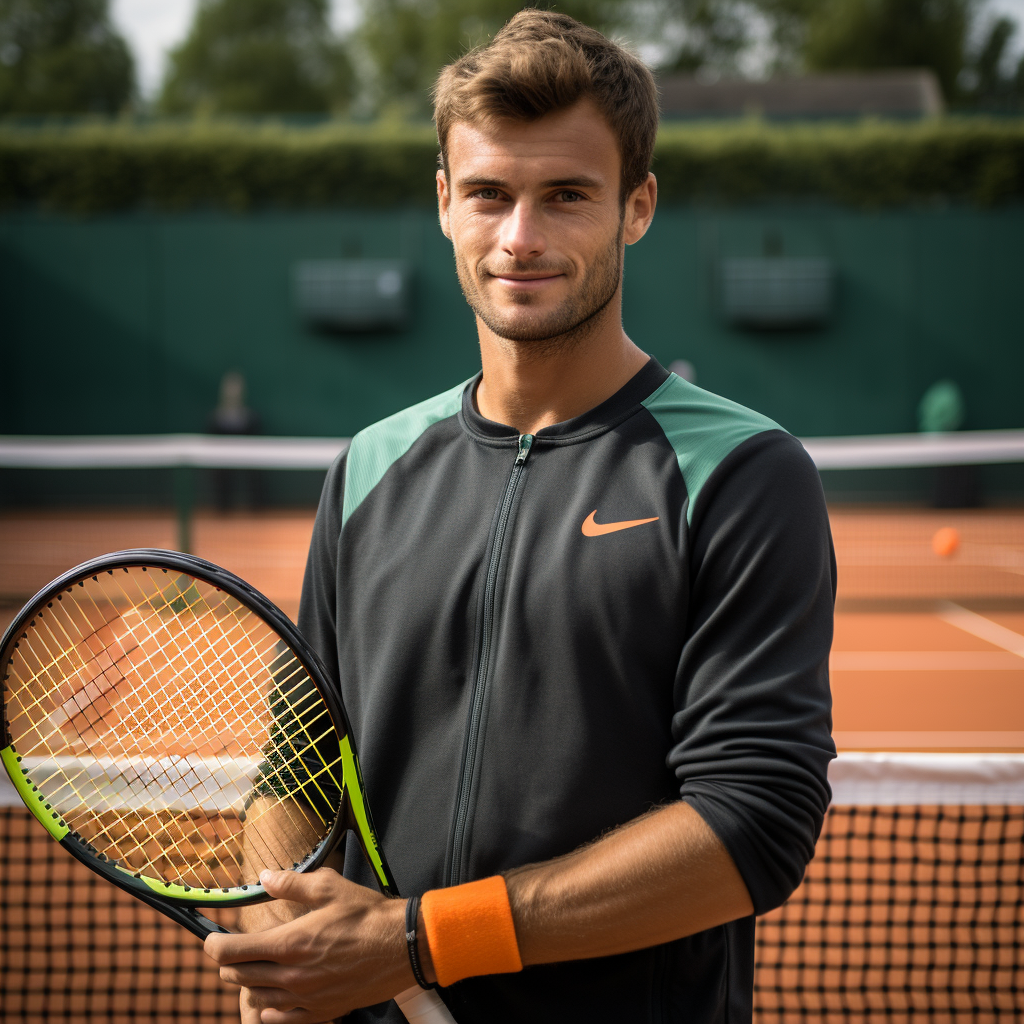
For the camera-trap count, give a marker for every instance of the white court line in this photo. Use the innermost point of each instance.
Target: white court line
(977, 625)
(141, 783)
(979, 739)
(924, 661)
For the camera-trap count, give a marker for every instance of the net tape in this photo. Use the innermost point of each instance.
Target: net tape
(858, 779)
(84, 452)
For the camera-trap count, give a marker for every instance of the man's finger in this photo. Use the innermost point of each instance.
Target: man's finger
(272, 1016)
(262, 975)
(248, 1011)
(313, 889)
(274, 998)
(257, 1002)
(240, 947)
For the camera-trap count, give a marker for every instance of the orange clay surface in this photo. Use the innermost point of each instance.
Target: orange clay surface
(912, 680)
(916, 679)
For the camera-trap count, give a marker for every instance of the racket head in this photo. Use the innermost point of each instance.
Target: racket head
(169, 726)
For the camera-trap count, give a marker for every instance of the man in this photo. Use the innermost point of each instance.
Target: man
(579, 609)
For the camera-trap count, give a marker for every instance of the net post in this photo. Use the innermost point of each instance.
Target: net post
(184, 496)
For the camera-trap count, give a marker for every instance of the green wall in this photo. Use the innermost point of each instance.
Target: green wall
(125, 323)
(921, 295)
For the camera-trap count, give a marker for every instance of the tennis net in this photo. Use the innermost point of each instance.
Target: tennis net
(75, 949)
(911, 911)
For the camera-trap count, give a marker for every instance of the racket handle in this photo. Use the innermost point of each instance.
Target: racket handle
(423, 1006)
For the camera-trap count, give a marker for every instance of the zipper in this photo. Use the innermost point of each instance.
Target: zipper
(483, 662)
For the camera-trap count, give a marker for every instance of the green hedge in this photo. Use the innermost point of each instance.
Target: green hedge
(866, 164)
(93, 168)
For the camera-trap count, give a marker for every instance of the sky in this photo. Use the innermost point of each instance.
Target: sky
(152, 27)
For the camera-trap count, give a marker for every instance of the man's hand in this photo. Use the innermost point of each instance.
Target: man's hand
(258, 918)
(348, 950)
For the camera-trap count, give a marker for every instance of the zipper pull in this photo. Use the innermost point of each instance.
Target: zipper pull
(525, 444)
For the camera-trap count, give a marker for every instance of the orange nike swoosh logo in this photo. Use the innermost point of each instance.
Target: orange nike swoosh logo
(592, 529)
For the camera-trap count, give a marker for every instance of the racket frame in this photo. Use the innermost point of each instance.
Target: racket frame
(178, 902)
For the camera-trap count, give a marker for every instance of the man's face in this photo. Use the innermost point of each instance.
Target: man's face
(533, 212)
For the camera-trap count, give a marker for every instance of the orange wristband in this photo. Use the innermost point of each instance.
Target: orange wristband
(470, 930)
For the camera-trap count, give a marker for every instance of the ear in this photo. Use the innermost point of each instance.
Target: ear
(444, 200)
(640, 206)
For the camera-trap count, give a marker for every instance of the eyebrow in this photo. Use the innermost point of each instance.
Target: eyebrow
(578, 182)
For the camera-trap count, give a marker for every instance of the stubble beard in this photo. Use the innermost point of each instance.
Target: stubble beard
(572, 321)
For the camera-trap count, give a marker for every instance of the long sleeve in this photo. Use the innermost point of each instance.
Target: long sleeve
(753, 708)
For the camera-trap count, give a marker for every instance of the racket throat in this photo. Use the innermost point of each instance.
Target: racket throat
(190, 920)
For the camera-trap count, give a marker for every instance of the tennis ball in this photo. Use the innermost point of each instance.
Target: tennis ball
(945, 541)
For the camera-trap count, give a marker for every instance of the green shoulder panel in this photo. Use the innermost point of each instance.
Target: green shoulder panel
(702, 428)
(374, 450)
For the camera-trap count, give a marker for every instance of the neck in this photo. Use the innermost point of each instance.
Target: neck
(532, 385)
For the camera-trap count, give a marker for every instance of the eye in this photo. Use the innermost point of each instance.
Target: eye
(487, 194)
(567, 196)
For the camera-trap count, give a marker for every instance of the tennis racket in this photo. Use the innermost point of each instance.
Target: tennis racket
(170, 728)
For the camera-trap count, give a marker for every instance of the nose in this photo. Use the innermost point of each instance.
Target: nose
(522, 236)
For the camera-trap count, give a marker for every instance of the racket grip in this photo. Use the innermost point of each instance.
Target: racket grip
(423, 1006)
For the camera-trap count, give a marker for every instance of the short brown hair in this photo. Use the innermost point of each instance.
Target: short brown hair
(541, 62)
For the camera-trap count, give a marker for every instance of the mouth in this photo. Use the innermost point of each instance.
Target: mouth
(526, 282)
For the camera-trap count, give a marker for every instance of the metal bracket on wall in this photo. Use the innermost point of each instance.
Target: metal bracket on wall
(772, 293)
(353, 296)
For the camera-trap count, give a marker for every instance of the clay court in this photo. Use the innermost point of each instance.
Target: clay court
(928, 657)
(928, 651)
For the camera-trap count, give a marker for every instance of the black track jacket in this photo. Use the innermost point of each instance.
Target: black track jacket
(524, 671)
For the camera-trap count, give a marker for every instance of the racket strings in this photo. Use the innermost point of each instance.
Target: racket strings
(146, 728)
(297, 822)
(162, 651)
(115, 831)
(53, 665)
(87, 635)
(180, 654)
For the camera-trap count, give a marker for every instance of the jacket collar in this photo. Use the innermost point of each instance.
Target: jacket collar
(612, 411)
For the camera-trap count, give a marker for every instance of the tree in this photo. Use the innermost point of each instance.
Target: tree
(833, 35)
(692, 35)
(258, 57)
(62, 57)
(874, 34)
(988, 64)
(406, 42)
(989, 84)
(787, 23)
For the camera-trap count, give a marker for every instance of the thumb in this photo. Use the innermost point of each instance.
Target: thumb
(295, 887)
